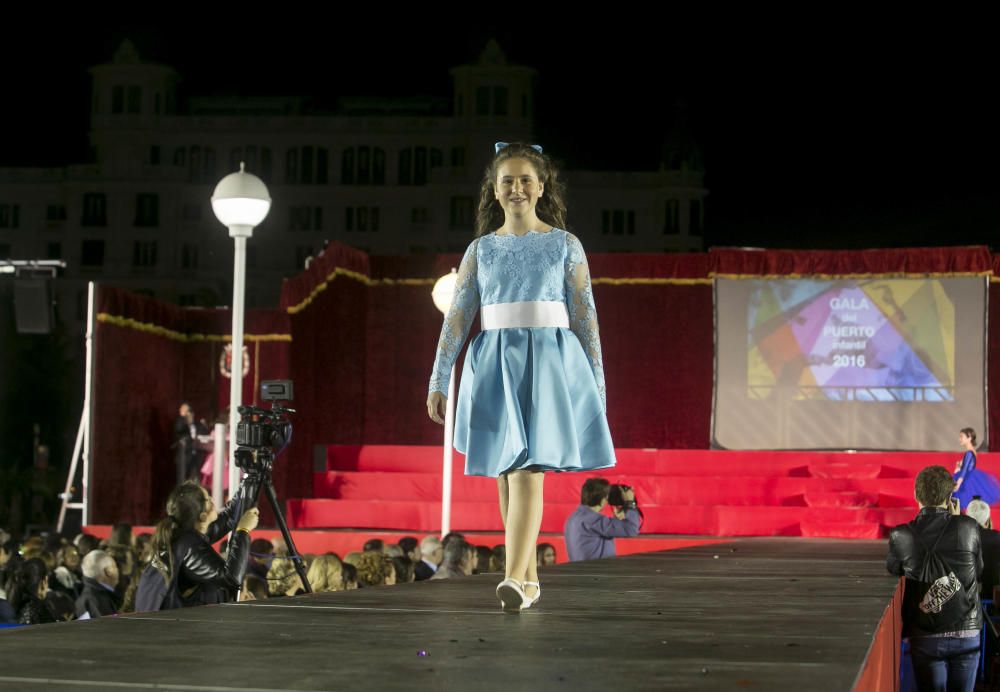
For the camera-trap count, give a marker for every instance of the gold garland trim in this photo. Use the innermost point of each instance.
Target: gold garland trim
(627, 281)
(156, 329)
(886, 275)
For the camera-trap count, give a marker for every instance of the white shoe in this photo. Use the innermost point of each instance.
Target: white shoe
(528, 602)
(511, 595)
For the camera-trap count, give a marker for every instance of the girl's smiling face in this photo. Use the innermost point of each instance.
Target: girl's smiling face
(518, 187)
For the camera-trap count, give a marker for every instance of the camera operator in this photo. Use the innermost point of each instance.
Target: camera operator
(186, 570)
(589, 533)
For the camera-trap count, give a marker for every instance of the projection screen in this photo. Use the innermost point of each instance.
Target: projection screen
(849, 363)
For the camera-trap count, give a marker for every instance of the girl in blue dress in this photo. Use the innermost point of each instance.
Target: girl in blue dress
(969, 481)
(532, 395)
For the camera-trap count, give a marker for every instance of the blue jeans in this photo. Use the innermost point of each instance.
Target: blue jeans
(945, 664)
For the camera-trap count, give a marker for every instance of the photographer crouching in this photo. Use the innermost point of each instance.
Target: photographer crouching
(591, 534)
(186, 570)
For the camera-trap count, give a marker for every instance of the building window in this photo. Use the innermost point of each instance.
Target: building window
(118, 100)
(94, 210)
(10, 215)
(482, 100)
(55, 214)
(361, 219)
(53, 251)
(618, 221)
(697, 217)
(672, 224)
(307, 165)
(180, 156)
(415, 162)
(363, 166)
(144, 253)
(154, 156)
(461, 213)
(500, 100)
(305, 218)
(147, 210)
(189, 256)
(92, 253)
(257, 161)
(134, 99)
(420, 215)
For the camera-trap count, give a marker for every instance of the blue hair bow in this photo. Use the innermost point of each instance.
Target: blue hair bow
(501, 145)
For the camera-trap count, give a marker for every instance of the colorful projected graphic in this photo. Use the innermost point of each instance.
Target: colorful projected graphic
(866, 340)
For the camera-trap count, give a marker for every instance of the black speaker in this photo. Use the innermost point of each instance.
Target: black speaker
(33, 306)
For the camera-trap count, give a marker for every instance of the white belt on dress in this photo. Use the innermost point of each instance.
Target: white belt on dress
(526, 313)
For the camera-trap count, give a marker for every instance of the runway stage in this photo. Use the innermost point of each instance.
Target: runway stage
(757, 613)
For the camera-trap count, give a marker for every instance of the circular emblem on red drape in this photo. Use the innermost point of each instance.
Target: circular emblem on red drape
(226, 361)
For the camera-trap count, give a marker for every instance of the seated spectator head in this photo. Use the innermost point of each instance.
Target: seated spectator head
(403, 567)
(350, 576)
(85, 543)
(143, 546)
(373, 545)
(69, 557)
(498, 562)
(261, 551)
(980, 511)
(29, 582)
(545, 554)
(375, 569)
(121, 534)
(483, 558)
(392, 550)
(451, 536)
(124, 557)
(326, 573)
(933, 487)
(431, 550)
(8, 549)
(411, 548)
(282, 578)
(460, 556)
(352, 558)
(594, 493)
(101, 567)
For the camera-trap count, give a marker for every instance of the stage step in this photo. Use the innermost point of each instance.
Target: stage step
(661, 490)
(694, 520)
(686, 492)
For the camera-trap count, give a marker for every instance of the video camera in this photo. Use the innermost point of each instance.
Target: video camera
(615, 498)
(262, 434)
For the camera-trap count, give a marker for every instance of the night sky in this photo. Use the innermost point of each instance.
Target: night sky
(820, 132)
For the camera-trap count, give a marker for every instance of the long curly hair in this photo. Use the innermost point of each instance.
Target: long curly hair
(551, 207)
(184, 507)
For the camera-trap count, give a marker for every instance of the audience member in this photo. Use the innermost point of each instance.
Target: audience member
(411, 548)
(591, 534)
(350, 576)
(374, 545)
(483, 558)
(545, 554)
(326, 573)
(990, 543)
(375, 569)
(27, 593)
(498, 561)
(459, 560)
(100, 579)
(403, 569)
(431, 554)
(283, 579)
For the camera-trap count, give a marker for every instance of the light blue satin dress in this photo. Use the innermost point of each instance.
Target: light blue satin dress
(529, 397)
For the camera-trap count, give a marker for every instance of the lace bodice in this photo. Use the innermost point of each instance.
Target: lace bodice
(539, 265)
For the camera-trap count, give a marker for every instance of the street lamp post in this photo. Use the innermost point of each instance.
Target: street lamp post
(240, 202)
(442, 294)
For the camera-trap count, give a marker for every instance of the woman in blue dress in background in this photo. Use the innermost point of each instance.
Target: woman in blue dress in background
(969, 481)
(532, 396)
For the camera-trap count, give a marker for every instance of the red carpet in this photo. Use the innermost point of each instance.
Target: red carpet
(685, 492)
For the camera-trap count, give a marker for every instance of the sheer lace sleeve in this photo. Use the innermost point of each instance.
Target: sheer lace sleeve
(458, 322)
(582, 311)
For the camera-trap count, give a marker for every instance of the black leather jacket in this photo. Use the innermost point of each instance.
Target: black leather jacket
(204, 577)
(959, 548)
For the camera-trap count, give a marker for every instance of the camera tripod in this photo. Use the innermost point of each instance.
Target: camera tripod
(261, 470)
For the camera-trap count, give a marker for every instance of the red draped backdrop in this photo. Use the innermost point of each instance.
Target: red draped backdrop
(363, 333)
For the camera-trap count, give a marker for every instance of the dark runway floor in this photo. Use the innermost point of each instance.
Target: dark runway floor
(764, 614)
